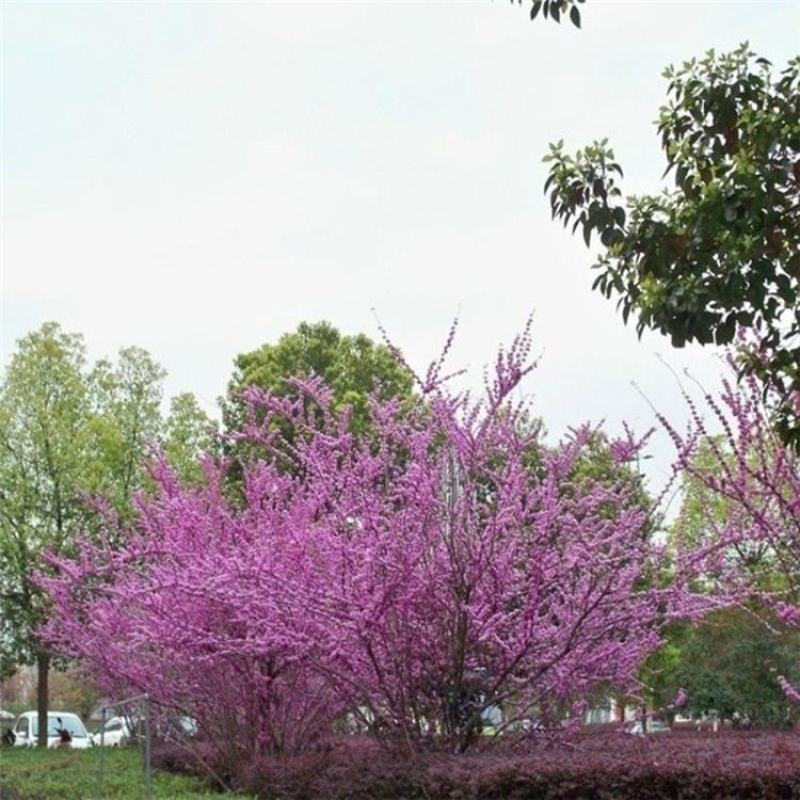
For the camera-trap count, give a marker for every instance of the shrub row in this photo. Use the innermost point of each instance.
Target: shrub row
(614, 766)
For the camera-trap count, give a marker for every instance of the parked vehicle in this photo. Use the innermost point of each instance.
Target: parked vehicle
(63, 727)
(653, 726)
(529, 725)
(117, 732)
(177, 727)
(120, 731)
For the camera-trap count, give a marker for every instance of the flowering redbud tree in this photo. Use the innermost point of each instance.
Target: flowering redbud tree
(408, 580)
(746, 485)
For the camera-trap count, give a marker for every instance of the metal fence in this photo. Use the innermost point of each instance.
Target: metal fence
(137, 713)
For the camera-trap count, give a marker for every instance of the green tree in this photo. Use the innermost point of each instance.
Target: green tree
(722, 248)
(702, 512)
(68, 429)
(728, 664)
(352, 366)
(188, 433)
(597, 464)
(125, 420)
(706, 515)
(44, 406)
(659, 672)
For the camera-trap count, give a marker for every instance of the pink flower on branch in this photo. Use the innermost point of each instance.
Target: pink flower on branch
(681, 698)
(791, 693)
(746, 485)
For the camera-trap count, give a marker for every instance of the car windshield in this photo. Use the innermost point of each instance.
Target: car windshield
(69, 722)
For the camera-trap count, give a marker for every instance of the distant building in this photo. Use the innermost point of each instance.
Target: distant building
(20, 688)
(609, 711)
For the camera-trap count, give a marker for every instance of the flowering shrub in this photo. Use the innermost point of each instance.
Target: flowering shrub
(413, 578)
(748, 484)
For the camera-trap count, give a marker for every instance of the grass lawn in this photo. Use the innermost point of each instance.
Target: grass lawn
(30, 774)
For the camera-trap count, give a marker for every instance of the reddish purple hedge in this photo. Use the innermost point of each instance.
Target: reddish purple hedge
(604, 767)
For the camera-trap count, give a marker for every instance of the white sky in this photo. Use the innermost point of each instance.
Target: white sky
(198, 178)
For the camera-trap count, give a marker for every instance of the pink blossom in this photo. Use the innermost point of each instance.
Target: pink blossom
(750, 517)
(791, 693)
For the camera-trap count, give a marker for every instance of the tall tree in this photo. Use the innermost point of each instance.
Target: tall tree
(351, 366)
(188, 433)
(125, 421)
(731, 663)
(44, 407)
(722, 248)
(68, 429)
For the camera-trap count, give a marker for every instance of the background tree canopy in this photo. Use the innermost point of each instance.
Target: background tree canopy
(722, 249)
(70, 429)
(351, 366)
(729, 665)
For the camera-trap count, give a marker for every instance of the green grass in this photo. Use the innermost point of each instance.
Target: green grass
(30, 774)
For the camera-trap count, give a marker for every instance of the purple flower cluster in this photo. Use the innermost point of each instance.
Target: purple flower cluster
(751, 481)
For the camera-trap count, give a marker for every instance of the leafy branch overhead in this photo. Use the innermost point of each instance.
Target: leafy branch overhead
(720, 250)
(555, 9)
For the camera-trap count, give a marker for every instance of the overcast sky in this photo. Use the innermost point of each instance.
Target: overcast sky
(198, 178)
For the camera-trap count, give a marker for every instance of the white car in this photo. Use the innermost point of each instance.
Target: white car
(177, 727)
(26, 729)
(121, 731)
(117, 732)
(653, 726)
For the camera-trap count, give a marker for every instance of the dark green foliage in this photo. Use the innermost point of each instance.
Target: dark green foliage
(720, 250)
(658, 673)
(730, 664)
(556, 9)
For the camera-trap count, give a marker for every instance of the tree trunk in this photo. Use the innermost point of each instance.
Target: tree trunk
(42, 695)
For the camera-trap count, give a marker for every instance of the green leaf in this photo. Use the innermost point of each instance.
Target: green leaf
(726, 330)
(575, 16)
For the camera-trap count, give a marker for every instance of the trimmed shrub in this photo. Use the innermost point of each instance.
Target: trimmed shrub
(602, 766)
